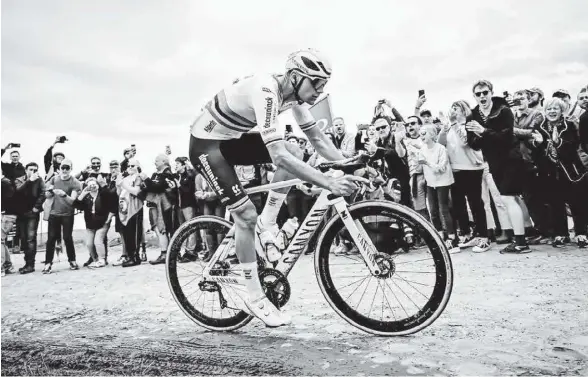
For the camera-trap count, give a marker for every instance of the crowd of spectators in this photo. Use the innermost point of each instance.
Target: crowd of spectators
(507, 171)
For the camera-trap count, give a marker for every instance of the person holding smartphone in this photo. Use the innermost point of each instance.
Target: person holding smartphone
(14, 168)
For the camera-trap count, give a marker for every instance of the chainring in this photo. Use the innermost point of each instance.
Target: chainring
(275, 285)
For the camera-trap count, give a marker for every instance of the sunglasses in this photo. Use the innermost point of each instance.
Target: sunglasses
(132, 166)
(380, 128)
(65, 167)
(318, 84)
(583, 98)
(482, 93)
(33, 170)
(96, 164)
(412, 123)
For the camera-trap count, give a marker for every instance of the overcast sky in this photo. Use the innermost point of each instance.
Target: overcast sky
(110, 73)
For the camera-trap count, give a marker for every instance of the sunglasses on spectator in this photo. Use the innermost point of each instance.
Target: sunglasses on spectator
(380, 128)
(412, 123)
(132, 166)
(33, 170)
(65, 167)
(482, 93)
(583, 98)
(96, 164)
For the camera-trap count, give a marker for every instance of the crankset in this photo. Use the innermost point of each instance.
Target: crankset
(275, 285)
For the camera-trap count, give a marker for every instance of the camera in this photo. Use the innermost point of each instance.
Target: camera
(15, 145)
(62, 139)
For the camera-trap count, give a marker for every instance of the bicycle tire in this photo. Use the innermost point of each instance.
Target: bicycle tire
(173, 253)
(444, 271)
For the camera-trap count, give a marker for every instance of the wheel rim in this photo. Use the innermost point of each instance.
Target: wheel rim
(340, 291)
(200, 305)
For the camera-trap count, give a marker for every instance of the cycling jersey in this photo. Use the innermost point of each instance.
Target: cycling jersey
(249, 102)
(222, 138)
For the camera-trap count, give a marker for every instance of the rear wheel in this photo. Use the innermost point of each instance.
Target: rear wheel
(413, 288)
(211, 305)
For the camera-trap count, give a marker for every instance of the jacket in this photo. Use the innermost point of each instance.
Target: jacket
(29, 195)
(95, 213)
(560, 159)
(8, 191)
(525, 124)
(395, 166)
(498, 142)
(345, 144)
(160, 183)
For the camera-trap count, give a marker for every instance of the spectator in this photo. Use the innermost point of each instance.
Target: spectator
(572, 111)
(526, 120)
(437, 171)
(53, 160)
(111, 188)
(130, 211)
(210, 205)
(251, 176)
(8, 221)
(92, 170)
(128, 153)
(186, 176)
(468, 169)
(536, 98)
(491, 130)
(343, 140)
(161, 194)
(366, 136)
(392, 151)
(418, 185)
(583, 123)
(14, 169)
(557, 139)
(94, 201)
(61, 190)
(30, 198)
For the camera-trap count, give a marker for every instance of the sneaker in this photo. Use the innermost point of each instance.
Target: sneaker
(27, 269)
(468, 241)
(482, 246)
(8, 268)
(452, 244)
(3, 273)
(188, 257)
(513, 248)
(88, 262)
(73, 266)
(263, 309)
(340, 250)
(132, 262)
(120, 261)
(205, 256)
(582, 241)
(98, 264)
(160, 259)
(265, 241)
(558, 241)
(534, 240)
(47, 268)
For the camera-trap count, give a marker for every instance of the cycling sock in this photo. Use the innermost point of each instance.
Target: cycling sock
(252, 282)
(274, 202)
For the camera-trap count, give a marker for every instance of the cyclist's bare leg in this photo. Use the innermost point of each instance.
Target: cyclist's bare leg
(276, 197)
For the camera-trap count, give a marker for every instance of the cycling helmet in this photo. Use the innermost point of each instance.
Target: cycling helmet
(309, 63)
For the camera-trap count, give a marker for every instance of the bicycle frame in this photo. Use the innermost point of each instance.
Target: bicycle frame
(303, 234)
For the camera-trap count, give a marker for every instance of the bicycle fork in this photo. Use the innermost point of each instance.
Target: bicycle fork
(359, 235)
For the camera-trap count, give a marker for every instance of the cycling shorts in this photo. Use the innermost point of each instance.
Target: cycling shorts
(215, 160)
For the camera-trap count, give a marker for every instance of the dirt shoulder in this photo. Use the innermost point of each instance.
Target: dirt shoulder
(508, 315)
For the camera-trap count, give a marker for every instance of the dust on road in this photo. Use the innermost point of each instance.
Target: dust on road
(508, 315)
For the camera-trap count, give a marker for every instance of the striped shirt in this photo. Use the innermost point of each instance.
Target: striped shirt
(254, 101)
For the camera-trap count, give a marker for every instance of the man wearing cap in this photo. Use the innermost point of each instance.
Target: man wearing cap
(64, 189)
(572, 111)
(536, 98)
(128, 153)
(52, 159)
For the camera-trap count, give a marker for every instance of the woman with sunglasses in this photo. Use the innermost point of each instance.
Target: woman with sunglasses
(491, 130)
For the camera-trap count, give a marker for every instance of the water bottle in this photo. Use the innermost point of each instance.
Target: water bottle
(286, 233)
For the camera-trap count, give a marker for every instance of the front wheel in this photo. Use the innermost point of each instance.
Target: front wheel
(413, 289)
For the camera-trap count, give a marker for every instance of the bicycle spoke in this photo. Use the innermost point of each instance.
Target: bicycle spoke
(355, 282)
(373, 299)
(387, 301)
(396, 297)
(407, 296)
(409, 283)
(415, 261)
(190, 281)
(418, 272)
(357, 287)
(364, 291)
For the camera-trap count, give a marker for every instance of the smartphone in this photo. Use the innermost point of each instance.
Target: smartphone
(15, 145)
(517, 102)
(421, 93)
(506, 94)
(62, 139)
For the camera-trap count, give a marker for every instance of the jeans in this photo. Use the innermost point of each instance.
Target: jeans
(468, 184)
(418, 191)
(29, 224)
(132, 234)
(95, 242)
(490, 192)
(55, 226)
(8, 222)
(438, 198)
(185, 215)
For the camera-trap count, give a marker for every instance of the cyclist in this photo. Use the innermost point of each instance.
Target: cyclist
(220, 139)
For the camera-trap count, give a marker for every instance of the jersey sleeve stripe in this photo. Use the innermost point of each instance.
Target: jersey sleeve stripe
(239, 203)
(271, 141)
(307, 126)
(223, 107)
(224, 122)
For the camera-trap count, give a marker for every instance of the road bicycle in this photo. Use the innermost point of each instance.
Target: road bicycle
(404, 292)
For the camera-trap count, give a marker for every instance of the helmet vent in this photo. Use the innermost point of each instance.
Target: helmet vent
(309, 63)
